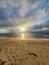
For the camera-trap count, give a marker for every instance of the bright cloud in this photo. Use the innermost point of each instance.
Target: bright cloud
(4, 31)
(40, 14)
(23, 8)
(35, 5)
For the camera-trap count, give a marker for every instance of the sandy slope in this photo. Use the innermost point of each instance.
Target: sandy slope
(24, 52)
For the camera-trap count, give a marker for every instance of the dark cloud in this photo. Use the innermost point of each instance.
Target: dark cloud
(44, 25)
(7, 15)
(41, 29)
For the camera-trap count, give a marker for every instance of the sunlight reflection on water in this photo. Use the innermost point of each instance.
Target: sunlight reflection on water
(24, 35)
(31, 36)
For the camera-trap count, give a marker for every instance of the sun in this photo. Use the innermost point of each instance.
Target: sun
(22, 29)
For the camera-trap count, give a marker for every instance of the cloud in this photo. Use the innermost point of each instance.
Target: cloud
(23, 8)
(42, 28)
(8, 15)
(42, 25)
(4, 31)
(34, 5)
(40, 14)
(22, 12)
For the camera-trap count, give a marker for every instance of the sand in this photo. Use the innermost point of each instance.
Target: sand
(24, 52)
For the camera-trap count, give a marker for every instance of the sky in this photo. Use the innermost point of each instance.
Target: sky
(24, 13)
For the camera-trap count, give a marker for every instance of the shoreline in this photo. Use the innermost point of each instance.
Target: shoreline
(22, 40)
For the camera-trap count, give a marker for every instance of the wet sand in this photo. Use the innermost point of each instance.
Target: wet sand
(24, 52)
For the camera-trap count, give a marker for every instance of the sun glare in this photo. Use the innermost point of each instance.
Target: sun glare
(22, 29)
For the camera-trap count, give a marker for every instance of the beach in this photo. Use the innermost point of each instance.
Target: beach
(24, 52)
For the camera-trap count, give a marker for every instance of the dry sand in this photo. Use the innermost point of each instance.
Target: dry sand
(24, 52)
